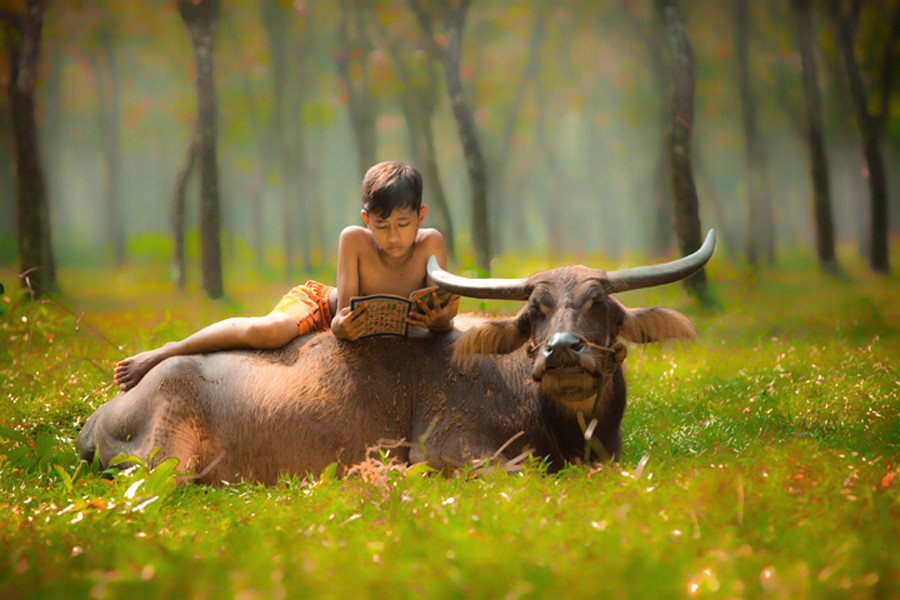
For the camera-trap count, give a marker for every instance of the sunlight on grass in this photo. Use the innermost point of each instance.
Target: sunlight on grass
(760, 460)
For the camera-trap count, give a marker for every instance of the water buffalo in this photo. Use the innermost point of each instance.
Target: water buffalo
(539, 378)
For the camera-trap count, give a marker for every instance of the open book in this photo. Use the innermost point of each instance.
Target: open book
(388, 313)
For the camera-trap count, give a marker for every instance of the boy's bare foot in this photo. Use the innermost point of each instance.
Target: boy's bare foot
(131, 370)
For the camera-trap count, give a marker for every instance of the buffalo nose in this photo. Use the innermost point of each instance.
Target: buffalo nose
(562, 342)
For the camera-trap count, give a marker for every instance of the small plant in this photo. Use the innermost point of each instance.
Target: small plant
(139, 486)
(37, 458)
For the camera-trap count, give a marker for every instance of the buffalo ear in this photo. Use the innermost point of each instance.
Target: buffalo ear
(646, 325)
(500, 336)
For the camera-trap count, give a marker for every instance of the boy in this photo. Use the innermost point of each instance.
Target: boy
(387, 256)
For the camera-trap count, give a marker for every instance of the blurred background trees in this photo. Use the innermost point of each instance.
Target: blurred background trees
(23, 29)
(541, 127)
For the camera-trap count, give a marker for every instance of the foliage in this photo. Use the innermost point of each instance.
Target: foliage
(760, 461)
(596, 96)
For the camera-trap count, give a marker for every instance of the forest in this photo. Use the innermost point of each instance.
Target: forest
(222, 131)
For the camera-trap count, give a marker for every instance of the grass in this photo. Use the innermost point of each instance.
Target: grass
(759, 461)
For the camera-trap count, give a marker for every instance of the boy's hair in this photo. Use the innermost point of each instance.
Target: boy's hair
(389, 185)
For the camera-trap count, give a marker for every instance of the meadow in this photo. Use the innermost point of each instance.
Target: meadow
(760, 460)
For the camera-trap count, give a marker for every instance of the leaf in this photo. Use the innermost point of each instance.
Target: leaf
(420, 469)
(161, 481)
(127, 458)
(43, 448)
(12, 435)
(64, 477)
(329, 472)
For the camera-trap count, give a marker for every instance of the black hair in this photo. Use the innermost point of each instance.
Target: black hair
(389, 185)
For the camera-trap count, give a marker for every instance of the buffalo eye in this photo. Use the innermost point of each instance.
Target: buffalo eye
(538, 308)
(597, 303)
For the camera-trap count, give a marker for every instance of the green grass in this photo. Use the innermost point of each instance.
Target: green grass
(759, 461)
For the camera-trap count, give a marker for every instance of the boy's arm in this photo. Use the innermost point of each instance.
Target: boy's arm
(348, 324)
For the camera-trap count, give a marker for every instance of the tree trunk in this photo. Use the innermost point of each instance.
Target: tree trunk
(465, 126)
(304, 191)
(51, 130)
(32, 204)
(818, 160)
(761, 224)
(662, 224)
(200, 17)
(360, 100)
(108, 124)
(502, 205)
(7, 189)
(870, 128)
(552, 221)
(430, 166)
(661, 232)
(608, 215)
(178, 203)
(264, 149)
(726, 228)
(419, 99)
(275, 23)
(681, 103)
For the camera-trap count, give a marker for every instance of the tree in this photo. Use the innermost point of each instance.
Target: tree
(503, 204)
(815, 141)
(264, 141)
(418, 96)
(682, 76)
(352, 63)
(871, 125)
(178, 211)
(448, 50)
(760, 236)
(200, 17)
(108, 124)
(654, 42)
(291, 40)
(275, 21)
(555, 230)
(23, 44)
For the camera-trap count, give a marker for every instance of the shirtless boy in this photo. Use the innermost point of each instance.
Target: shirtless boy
(387, 256)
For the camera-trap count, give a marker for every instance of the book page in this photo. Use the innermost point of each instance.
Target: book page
(386, 315)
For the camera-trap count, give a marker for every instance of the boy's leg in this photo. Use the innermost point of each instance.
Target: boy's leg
(309, 305)
(270, 331)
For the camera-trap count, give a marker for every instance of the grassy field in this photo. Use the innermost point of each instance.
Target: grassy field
(759, 461)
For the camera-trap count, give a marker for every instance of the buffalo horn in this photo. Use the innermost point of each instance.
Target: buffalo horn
(497, 289)
(620, 281)
(644, 277)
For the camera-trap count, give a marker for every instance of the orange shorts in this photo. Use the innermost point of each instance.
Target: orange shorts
(308, 304)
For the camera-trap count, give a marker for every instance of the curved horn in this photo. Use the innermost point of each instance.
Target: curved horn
(643, 277)
(497, 289)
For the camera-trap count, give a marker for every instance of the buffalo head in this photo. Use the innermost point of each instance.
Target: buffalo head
(571, 322)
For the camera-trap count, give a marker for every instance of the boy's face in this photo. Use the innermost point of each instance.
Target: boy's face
(396, 233)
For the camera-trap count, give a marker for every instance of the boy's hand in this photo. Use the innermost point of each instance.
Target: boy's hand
(431, 315)
(350, 324)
